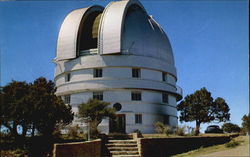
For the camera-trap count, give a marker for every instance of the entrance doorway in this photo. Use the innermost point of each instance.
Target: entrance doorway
(118, 124)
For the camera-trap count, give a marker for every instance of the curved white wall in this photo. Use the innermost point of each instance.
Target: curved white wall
(117, 84)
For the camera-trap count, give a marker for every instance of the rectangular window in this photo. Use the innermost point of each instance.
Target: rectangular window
(164, 76)
(98, 95)
(136, 96)
(165, 97)
(166, 120)
(97, 72)
(136, 72)
(67, 99)
(138, 119)
(68, 77)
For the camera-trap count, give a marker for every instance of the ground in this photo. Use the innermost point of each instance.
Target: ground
(221, 150)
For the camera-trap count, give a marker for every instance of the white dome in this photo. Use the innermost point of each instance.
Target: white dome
(122, 55)
(123, 27)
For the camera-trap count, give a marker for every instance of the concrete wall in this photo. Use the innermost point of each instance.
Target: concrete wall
(151, 108)
(117, 84)
(164, 147)
(78, 149)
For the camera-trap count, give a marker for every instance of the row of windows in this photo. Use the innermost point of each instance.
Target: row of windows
(136, 73)
(135, 96)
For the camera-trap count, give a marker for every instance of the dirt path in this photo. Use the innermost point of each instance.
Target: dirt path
(240, 151)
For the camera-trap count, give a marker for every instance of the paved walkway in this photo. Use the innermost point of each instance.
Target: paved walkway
(240, 151)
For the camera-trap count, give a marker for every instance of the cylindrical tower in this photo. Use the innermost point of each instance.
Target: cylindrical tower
(118, 54)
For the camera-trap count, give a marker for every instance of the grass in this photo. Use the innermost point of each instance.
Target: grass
(174, 135)
(240, 140)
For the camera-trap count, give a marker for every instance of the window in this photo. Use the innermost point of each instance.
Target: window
(136, 96)
(166, 120)
(138, 119)
(67, 99)
(165, 97)
(98, 95)
(68, 77)
(164, 76)
(136, 72)
(97, 72)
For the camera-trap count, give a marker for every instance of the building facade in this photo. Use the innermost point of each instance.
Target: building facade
(118, 54)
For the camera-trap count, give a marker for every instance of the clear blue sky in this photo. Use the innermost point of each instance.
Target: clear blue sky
(209, 40)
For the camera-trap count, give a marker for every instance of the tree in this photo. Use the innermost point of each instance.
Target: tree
(32, 106)
(230, 127)
(14, 108)
(246, 123)
(201, 108)
(94, 111)
(48, 109)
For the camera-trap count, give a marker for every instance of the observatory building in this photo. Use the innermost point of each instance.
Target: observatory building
(118, 54)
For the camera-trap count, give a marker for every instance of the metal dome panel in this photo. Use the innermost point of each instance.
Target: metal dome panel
(109, 40)
(68, 35)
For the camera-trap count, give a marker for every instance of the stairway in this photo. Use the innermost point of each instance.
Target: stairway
(123, 148)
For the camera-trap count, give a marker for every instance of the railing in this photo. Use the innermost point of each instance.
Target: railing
(88, 52)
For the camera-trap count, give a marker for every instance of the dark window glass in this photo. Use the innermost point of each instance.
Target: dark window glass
(136, 72)
(136, 96)
(164, 97)
(164, 76)
(67, 99)
(97, 73)
(138, 119)
(98, 95)
(68, 77)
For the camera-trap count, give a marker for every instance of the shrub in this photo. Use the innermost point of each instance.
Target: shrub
(162, 129)
(190, 131)
(232, 144)
(230, 127)
(180, 130)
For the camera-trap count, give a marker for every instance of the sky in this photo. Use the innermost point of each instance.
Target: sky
(210, 41)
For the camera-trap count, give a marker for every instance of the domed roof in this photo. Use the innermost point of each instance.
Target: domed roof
(123, 27)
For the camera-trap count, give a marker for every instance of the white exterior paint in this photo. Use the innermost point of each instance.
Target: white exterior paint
(152, 54)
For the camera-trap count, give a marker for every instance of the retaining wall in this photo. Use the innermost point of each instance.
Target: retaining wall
(78, 149)
(164, 147)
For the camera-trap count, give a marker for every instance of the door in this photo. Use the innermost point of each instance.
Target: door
(118, 124)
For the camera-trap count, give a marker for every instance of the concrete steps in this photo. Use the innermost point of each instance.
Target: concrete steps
(122, 148)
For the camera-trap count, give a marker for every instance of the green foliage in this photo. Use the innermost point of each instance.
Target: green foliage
(93, 112)
(246, 123)
(33, 106)
(230, 128)
(14, 153)
(232, 144)
(162, 129)
(49, 110)
(201, 108)
(14, 107)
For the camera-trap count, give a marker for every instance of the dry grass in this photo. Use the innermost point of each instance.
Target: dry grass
(243, 140)
(173, 135)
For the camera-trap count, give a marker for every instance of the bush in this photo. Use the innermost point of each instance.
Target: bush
(180, 130)
(232, 144)
(190, 131)
(163, 129)
(230, 128)
(75, 133)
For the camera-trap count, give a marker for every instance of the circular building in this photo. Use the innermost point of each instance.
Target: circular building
(118, 54)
